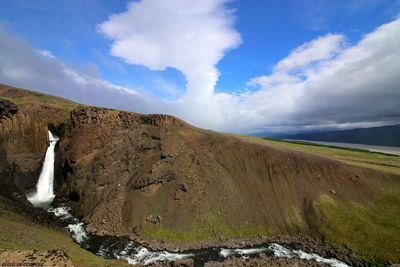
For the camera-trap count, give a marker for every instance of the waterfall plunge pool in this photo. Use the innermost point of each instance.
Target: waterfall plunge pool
(44, 193)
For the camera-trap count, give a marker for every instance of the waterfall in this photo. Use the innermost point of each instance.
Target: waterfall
(44, 194)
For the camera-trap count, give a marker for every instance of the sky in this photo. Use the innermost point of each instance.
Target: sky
(243, 66)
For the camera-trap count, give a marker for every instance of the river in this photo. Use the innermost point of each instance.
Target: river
(383, 149)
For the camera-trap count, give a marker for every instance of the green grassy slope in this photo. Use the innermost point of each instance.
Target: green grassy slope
(23, 96)
(372, 231)
(19, 232)
(356, 157)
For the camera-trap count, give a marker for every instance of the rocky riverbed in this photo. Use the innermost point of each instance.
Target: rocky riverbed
(305, 244)
(278, 250)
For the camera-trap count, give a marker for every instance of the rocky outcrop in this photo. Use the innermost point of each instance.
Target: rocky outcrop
(23, 142)
(7, 108)
(35, 258)
(7, 187)
(104, 152)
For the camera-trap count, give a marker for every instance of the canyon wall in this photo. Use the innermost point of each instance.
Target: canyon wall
(24, 140)
(156, 176)
(25, 117)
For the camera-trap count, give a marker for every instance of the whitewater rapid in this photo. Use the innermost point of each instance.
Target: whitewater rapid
(44, 193)
(282, 252)
(125, 249)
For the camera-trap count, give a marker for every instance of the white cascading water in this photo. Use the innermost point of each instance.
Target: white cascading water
(44, 194)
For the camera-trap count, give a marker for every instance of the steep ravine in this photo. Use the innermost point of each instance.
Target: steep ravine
(122, 248)
(169, 185)
(25, 117)
(155, 178)
(111, 247)
(135, 173)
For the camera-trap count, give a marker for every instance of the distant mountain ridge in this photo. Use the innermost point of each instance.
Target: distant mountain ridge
(381, 136)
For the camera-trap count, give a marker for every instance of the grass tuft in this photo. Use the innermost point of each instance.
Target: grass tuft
(203, 232)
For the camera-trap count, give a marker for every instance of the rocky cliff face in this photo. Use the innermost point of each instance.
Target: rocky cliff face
(106, 153)
(23, 141)
(158, 177)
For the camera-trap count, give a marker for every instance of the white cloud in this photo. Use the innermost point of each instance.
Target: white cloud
(319, 49)
(191, 36)
(305, 57)
(357, 85)
(321, 84)
(302, 91)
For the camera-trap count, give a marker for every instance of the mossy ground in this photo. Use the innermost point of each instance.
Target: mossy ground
(159, 232)
(202, 231)
(17, 232)
(207, 225)
(32, 97)
(372, 231)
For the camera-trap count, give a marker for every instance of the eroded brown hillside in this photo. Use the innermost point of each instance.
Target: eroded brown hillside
(158, 177)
